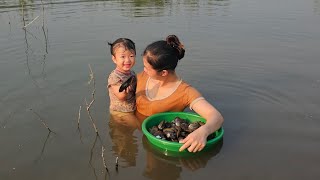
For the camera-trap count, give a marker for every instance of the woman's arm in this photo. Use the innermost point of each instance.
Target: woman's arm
(197, 140)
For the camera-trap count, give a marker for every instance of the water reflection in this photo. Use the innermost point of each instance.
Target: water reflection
(168, 8)
(43, 148)
(220, 52)
(159, 165)
(124, 141)
(100, 154)
(26, 10)
(133, 8)
(143, 8)
(91, 155)
(28, 50)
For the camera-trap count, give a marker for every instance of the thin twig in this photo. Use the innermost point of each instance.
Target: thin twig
(44, 33)
(80, 134)
(88, 106)
(79, 116)
(103, 160)
(91, 74)
(42, 121)
(94, 87)
(7, 120)
(22, 8)
(90, 117)
(117, 164)
(93, 99)
(30, 22)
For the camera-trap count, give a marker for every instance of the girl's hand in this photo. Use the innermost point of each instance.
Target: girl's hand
(195, 141)
(120, 95)
(130, 89)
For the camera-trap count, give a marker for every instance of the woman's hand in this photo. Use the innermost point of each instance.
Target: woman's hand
(195, 141)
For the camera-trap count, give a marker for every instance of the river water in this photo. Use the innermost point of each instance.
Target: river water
(257, 61)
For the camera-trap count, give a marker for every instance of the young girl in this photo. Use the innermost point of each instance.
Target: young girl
(122, 81)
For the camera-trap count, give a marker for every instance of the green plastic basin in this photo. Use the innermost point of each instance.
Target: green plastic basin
(168, 146)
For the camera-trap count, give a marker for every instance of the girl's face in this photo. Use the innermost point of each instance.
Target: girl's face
(147, 68)
(124, 59)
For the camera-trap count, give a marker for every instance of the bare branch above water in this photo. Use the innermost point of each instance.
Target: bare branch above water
(103, 160)
(117, 163)
(30, 22)
(79, 117)
(92, 79)
(42, 121)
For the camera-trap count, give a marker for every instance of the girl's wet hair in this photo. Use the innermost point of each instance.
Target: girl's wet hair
(164, 54)
(128, 44)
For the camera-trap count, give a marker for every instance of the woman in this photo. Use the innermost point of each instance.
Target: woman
(160, 89)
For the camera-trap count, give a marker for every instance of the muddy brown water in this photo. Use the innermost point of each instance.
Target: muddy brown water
(257, 61)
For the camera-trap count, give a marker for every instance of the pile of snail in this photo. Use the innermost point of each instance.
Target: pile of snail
(175, 130)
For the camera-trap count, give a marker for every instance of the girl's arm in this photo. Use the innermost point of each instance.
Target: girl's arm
(197, 140)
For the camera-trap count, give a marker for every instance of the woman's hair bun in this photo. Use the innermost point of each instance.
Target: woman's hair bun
(175, 43)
